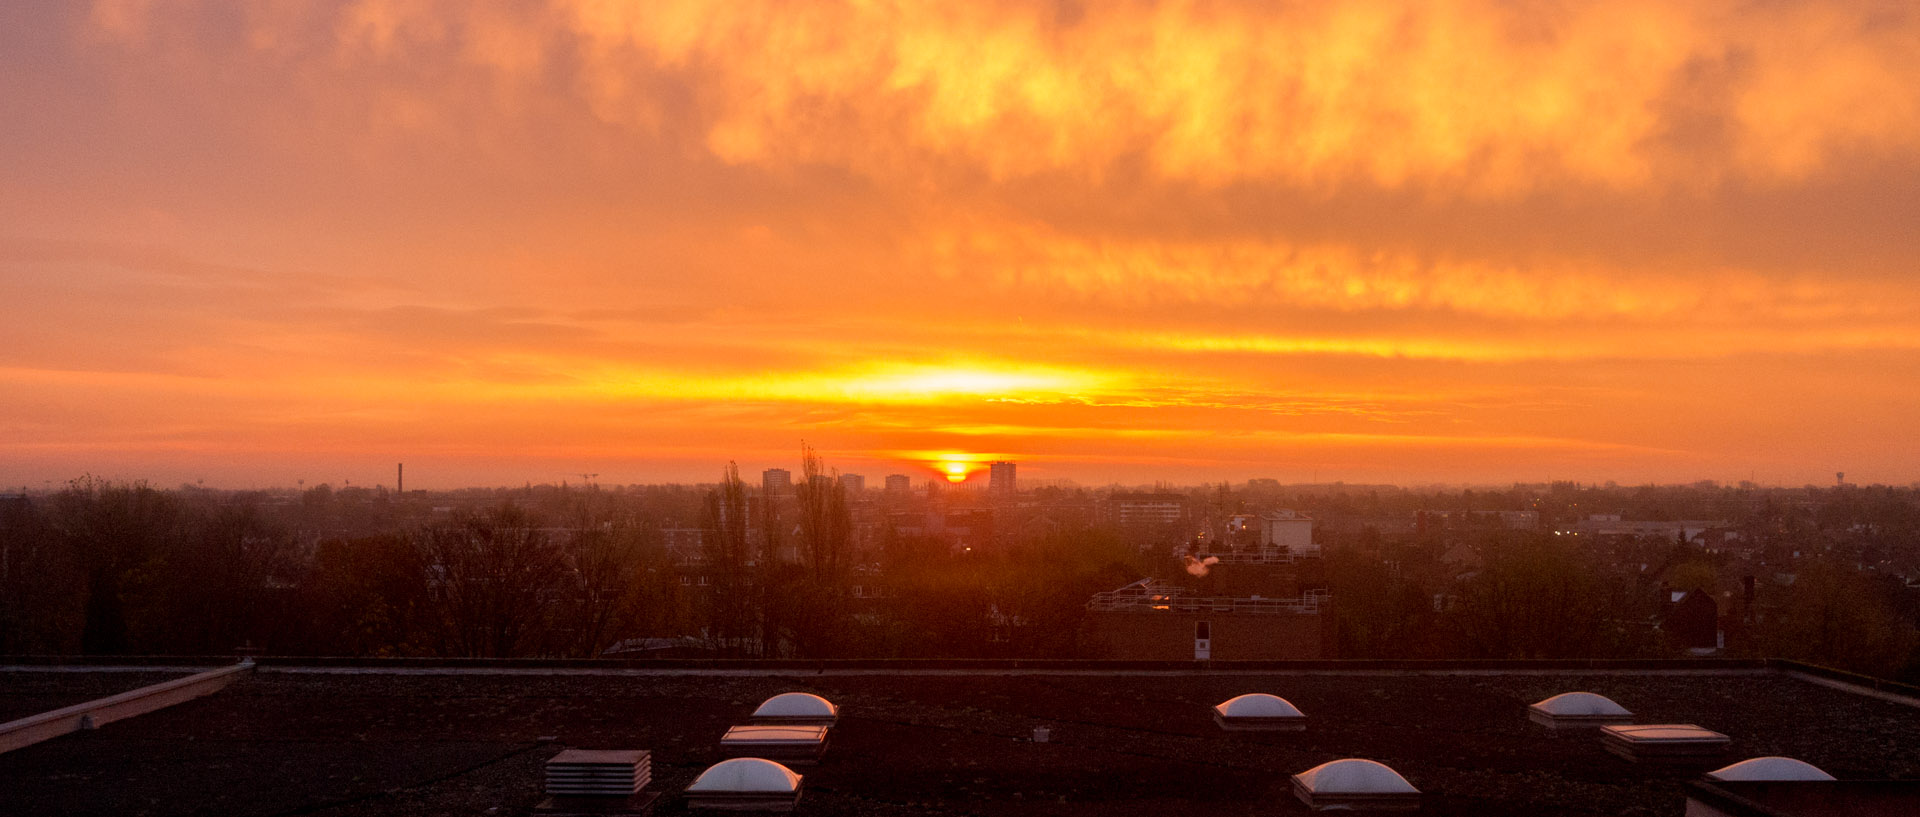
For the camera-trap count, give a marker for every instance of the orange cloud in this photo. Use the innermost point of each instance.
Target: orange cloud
(1486, 98)
(1471, 98)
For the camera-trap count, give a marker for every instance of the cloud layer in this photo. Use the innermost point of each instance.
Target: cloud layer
(1373, 241)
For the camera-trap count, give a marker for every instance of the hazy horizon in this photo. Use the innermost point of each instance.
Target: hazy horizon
(975, 481)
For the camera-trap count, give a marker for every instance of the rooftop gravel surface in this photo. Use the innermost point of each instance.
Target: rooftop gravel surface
(279, 742)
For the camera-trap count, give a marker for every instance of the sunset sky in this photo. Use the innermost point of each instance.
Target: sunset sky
(1460, 242)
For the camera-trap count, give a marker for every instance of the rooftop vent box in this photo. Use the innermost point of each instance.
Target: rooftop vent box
(1259, 712)
(797, 708)
(1355, 784)
(788, 744)
(745, 784)
(1578, 710)
(597, 781)
(1769, 769)
(1664, 742)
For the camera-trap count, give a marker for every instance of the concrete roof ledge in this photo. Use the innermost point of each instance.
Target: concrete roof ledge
(102, 711)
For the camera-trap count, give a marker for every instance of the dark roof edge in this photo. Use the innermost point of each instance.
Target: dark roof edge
(1705, 791)
(158, 663)
(1745, 797)
(1851, 681)
(920, 665)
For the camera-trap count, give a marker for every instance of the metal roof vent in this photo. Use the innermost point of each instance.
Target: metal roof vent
(790, 744)
(1355, 784)
(1577, 710)
(1769, 769)
(1663, 742)
(797, 708)
(745, 783)
(598, 781)
(1259, 711)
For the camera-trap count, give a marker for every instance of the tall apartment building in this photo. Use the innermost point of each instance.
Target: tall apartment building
(1000, 476)
(854, 484)
(900, 483)
(776, 481)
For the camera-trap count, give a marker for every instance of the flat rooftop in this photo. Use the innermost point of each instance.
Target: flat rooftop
(340, 740)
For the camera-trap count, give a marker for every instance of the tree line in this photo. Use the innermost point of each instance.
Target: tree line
(104, 568)
(118, 568)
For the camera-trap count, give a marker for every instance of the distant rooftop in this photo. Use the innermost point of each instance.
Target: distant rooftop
(1151, 594)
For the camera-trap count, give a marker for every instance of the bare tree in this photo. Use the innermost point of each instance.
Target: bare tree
(41, 601)
(1837, 617)
(826, 545)
(220, 580)
(604, 564)
(771, 578)
(1534, 599)
(729, 606)
(368, 596)
(491, 577)
(826, 523)
(112, 530)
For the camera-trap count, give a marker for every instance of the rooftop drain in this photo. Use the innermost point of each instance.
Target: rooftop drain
(1578, 710)
(1259, 711)
(1769, 769)
(1355, 784)
(745, 784)
(789, 744)
(797, 708)
(1664, 742)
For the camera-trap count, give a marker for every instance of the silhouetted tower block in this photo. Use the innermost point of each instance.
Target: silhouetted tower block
(1000, 479)
(776, 482)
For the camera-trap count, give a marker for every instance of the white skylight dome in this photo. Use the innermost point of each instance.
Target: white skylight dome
(1770, 768)
(797, 706)
(1259, 710)
(745, 784)
(746, 775)
(1355, 776)
(1354, 783)
(1258, 705)
(1581, 703)
(1578, 709)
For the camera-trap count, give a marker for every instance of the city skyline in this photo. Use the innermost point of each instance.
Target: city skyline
(1445, 243)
